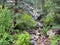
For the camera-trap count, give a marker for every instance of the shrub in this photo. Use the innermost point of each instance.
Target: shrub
(49, 5)
(54, 40)
(23, 39)
(45, 29)
(5, 39)
(0, 6)
(56, 26)
(5, 19)
(50, 18)
(25, 22)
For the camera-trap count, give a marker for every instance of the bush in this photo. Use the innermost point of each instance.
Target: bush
(25, 22)
(49, 5)
(5, 39)
(54, 40)
(50, 18)
(23, 39)
(0, 6)
(56, 26)
(45, 29)
(5, 20)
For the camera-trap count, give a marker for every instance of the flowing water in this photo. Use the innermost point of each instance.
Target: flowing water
(34, 13)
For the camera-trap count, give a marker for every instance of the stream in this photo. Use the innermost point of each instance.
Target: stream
(34, 13)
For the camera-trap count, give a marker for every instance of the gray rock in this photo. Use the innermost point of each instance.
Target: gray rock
(33, 42)
(53, 32)
(38, 24)
(50, 33)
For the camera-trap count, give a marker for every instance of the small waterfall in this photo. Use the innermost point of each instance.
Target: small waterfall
(34, 13)
(30, 10)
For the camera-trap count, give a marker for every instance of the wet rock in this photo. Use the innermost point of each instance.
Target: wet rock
(33, 42)
(38, 32)
(10, 0)
(34, 37)
(50, 33)
(53, 32)
(35, 14)
(45, 40)
(38, 28)
(32, 11)
(38, 24)
(31, 32)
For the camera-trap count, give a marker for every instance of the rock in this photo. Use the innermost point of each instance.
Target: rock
(33, 42)
(53, 32)
(34, 37)
(38, 32)
(47, 43)
(38, 24)
(10, 1)
(50, 33)
(31, 31)
(45, 40)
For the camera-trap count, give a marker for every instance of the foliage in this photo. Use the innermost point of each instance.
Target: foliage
(45, 29)
(25, 22)
(52, 10)
(49, 5)
(56, 26)
(23, 39)
(54, 40)
(49, 19)
(57, 20)
(0, 6)
(5, 39)
(5, 19)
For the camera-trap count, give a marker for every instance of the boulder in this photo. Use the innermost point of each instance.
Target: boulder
(38, 24)
(53, 32)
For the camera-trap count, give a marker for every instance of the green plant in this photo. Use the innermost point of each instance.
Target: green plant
(56, 26)
(0, 6)
(50, 18)
(49, 5)
(5, 20)
(23, 39)
(45, 29)
(5, 39)
(25, 22)
(54, 40)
